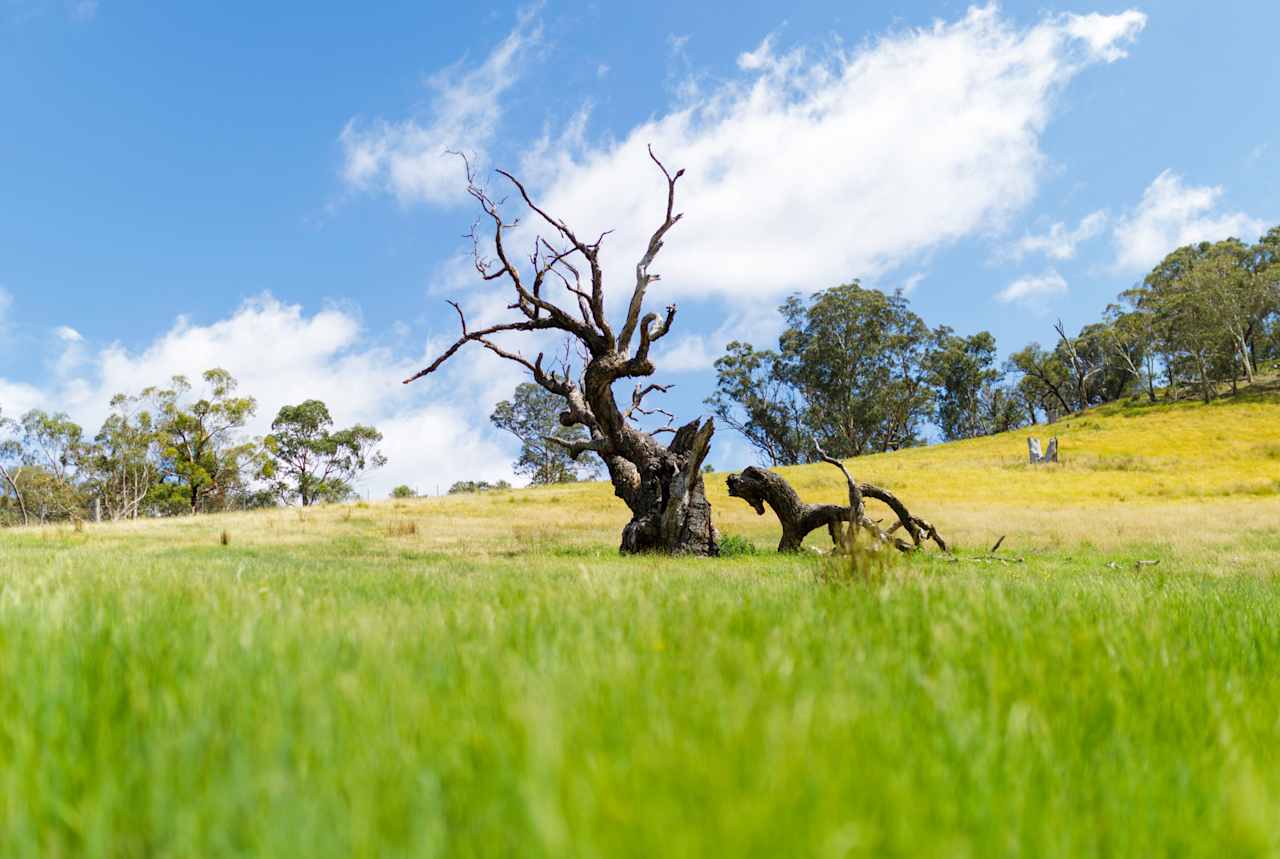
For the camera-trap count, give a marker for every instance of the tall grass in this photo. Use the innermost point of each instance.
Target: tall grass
(486, 677)
(218, 702)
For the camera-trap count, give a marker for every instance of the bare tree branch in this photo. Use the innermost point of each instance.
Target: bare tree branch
(643, 277)
(661, 484)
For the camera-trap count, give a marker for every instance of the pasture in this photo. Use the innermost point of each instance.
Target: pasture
(485, 676)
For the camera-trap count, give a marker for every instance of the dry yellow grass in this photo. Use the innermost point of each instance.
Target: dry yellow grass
(1183, 476)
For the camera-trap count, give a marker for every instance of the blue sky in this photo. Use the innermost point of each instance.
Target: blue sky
(262, 187)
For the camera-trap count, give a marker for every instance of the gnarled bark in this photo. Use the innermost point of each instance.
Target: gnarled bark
(759, 487)
(662, 485)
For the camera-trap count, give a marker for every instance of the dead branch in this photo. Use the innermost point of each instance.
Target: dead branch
(760, 487)
(661, 484)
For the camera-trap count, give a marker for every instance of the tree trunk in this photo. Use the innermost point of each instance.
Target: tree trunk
(17, 493)
(1244, 359)
(670, 512)
(662, 486)
(759, 487)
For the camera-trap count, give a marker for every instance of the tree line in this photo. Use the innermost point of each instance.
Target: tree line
(177, 450)
(858, 371)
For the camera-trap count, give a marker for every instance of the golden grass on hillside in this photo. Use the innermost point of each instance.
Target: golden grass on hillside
(1182, 475)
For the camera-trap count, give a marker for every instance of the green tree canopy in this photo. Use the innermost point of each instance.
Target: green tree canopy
(203, 456)
(532, 415)
(849, 371)
(310, 461)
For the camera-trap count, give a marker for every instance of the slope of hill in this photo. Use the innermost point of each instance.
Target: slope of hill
(1127, 473)
(1180, 473)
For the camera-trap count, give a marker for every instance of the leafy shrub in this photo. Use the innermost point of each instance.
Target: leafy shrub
(734, 546)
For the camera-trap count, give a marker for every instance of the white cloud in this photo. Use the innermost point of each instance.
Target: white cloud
(690, 353)
(281, 355)
(1106, 35)
(84, 11)
(909, 285)
(758, 325)
(18, 397)
(408, 158)
(1032, 291)
(73, 350)
(806, 173)
(1172, 214)
(1060, 243)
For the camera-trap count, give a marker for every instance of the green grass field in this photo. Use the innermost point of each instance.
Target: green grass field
(484, 676)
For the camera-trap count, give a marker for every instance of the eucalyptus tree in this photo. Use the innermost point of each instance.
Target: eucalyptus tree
(10, 459)
(1043, 380)
(310, 461)
(561, 291)
(1128, 336)
(53, 453)
(963, 372)
(850, 371)
(755, 397)
(532, 415)
(202, 452)
(124, 465)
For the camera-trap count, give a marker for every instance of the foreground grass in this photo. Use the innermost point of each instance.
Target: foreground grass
(338, 700)
(486, 677)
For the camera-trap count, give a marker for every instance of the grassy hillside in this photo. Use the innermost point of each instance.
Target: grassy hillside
(484, 676)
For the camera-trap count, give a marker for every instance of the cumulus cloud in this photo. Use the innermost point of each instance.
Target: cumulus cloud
(1034, 290)
(759, 325)
(282, 355)
(812, 170)
(1105, 35)
(1060, 242)
(408, 157)
(1172, 214)
(809, 170)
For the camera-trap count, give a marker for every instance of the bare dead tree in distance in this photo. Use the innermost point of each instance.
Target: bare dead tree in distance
(662, 486)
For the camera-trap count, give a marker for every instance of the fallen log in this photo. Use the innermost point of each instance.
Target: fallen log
(760, 488)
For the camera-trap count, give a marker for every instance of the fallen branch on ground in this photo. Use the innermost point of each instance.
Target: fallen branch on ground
(759, 487)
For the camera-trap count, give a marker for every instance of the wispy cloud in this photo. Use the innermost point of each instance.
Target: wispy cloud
(83, 11)
(408, 157)
(1060, 242)
(808, 170)
(1033, 291)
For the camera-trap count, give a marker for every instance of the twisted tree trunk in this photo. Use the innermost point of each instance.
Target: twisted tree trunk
(759, 488)
(662, 486)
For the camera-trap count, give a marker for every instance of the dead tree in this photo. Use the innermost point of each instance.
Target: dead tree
(759, 487)
(662, 485)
